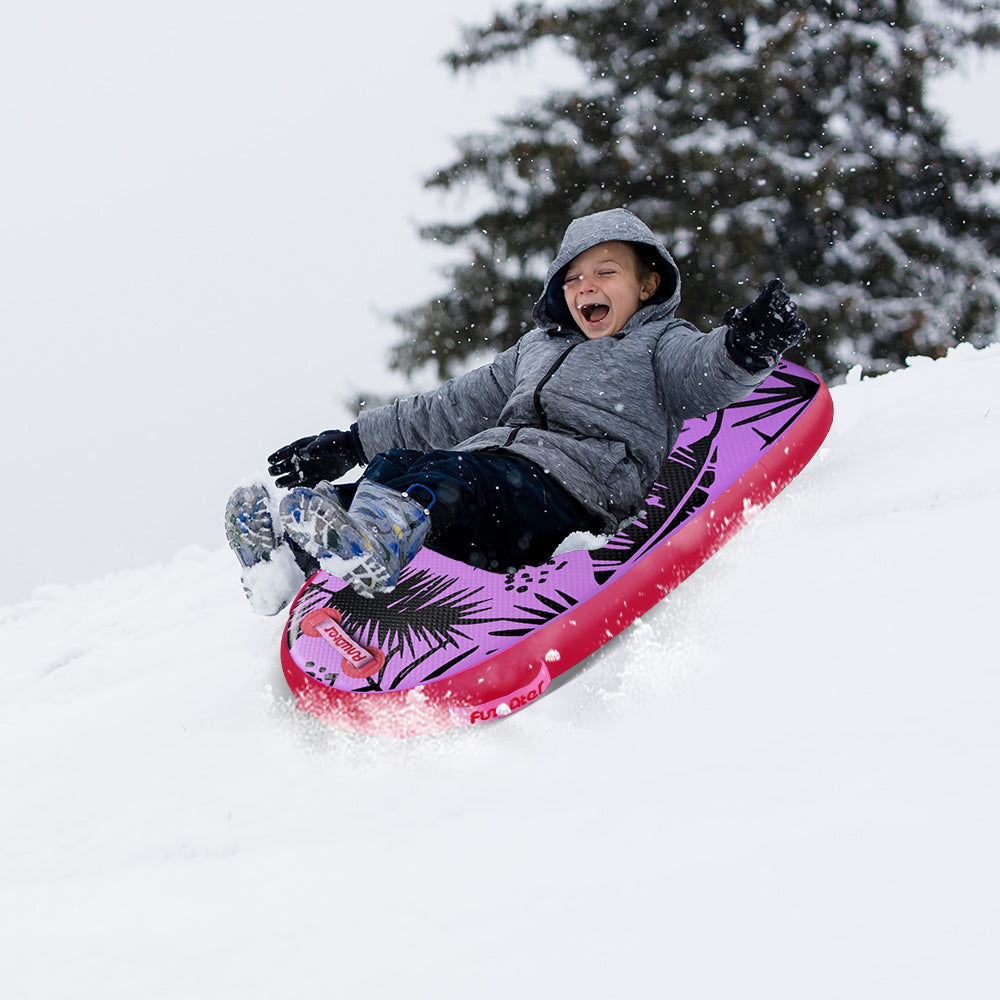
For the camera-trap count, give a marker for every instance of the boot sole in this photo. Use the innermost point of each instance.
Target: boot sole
(249, 526)
(324, 530)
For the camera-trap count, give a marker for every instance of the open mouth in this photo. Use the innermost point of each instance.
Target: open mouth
(594, 312)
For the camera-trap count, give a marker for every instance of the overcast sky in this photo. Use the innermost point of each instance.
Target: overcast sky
(208, 213)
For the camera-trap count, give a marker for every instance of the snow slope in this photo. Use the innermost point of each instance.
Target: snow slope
(782, 782)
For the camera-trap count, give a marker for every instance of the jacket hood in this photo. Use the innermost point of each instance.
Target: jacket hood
(586, 232)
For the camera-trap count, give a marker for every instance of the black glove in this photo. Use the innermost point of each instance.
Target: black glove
(311, 459)
(760, 332)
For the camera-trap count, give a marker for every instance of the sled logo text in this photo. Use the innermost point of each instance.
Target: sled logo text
(505, 706)
(358, 661)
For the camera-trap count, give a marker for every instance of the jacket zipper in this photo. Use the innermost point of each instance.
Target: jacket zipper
(543, 419)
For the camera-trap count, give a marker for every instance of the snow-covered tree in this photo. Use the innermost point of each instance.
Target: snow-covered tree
(758, 139)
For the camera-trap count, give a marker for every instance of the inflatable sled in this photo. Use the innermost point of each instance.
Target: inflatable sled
(456, 646)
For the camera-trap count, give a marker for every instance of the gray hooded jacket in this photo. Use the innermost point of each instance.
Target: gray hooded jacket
(600, 416)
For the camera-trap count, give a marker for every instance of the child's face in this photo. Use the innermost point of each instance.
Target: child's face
(603, 288)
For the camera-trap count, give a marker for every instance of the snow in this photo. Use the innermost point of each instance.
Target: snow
(783, 779)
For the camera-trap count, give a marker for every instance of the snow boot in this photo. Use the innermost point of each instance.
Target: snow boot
(368, 544)
(270, 574)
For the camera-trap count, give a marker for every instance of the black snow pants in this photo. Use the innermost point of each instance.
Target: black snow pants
(491, 509)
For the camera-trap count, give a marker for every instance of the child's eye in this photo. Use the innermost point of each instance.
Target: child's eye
(570, 278)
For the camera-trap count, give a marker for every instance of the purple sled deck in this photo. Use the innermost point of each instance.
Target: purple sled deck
(453, 645)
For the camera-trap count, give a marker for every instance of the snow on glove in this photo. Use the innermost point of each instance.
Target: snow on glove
(760, 332)
(311, 459)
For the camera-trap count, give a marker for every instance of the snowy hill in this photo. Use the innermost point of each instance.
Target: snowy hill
(782, 782)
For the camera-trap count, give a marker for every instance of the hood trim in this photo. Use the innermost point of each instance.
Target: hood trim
(586, 232)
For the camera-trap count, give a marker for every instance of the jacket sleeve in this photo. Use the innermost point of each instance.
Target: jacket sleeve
(696, 374)
(442, 417)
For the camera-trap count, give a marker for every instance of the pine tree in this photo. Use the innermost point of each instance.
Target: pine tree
(757, 139)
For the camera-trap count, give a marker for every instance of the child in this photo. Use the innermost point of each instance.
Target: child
(565, 431)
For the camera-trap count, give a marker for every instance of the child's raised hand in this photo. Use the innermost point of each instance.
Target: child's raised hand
(760, 332)
(309, 460)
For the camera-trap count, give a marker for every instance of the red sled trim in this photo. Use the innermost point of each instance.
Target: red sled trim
(517, 675)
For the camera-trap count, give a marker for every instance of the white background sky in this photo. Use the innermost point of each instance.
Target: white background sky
(208, 213)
